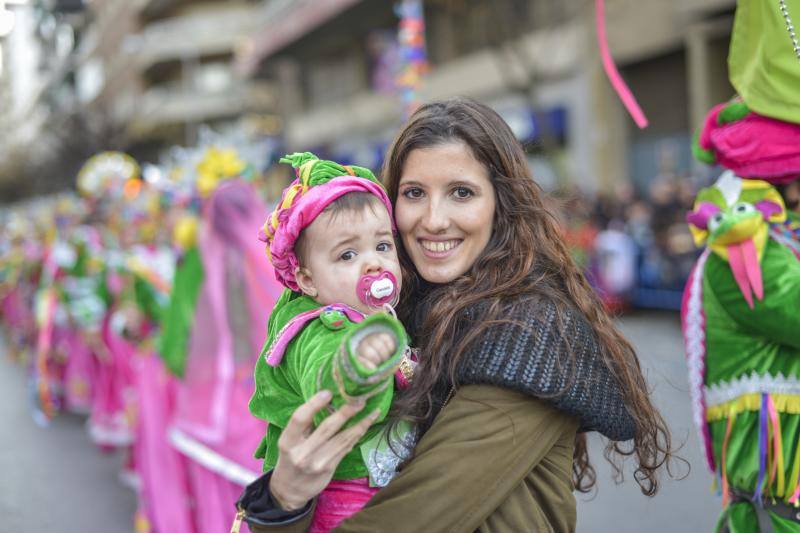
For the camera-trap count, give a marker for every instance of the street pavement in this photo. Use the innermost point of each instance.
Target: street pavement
(54, 479)
(685, 505)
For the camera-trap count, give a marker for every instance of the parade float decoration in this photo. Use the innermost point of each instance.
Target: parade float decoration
(105, 172)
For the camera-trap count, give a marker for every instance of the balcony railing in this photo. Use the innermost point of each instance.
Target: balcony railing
(196, 34)
(175, 105)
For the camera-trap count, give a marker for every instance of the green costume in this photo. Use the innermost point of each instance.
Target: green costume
(309, 348)
(741, 318)
(761, 64)
(173, 344)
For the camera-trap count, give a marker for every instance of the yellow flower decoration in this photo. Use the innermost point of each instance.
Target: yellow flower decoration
(185, 232)
(217, 165)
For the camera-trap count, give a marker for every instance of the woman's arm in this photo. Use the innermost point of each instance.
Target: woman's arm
(479, 449)
(305, 466)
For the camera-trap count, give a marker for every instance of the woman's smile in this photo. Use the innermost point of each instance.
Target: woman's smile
(438, 249)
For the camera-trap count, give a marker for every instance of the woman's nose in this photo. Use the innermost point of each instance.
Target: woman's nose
(436, 218)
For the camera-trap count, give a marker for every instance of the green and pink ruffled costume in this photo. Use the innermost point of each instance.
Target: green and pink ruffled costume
(310, 347)
(741, 307)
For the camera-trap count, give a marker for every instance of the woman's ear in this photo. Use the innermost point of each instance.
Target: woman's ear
(305, 281)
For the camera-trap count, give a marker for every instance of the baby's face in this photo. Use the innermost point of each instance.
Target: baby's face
(343, 247)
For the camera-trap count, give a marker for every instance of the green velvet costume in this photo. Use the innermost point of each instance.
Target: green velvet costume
(320, 356)
(744, 354)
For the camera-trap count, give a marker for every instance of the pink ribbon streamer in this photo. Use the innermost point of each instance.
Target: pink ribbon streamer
(622, 90)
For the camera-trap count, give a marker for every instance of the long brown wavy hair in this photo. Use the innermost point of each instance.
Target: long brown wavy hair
(526, 255)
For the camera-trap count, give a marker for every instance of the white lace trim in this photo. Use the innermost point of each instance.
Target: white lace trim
(106, 435)
(727, 391)
(382, 464)
(694, 337)
(210, 459)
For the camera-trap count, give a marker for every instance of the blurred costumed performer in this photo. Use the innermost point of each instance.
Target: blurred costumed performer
(740, 312)
(211, 337)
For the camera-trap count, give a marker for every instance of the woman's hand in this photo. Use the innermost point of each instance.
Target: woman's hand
(308, 457)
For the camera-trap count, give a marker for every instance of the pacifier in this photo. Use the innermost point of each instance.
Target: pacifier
(377, 290)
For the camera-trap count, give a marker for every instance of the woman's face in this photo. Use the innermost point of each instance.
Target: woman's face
(445, 210)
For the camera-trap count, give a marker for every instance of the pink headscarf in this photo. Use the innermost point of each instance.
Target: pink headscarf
(298, 210)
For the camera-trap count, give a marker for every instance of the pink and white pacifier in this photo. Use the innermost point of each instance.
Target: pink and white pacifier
(377, 290)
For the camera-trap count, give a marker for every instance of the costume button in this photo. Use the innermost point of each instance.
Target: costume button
(333, 319)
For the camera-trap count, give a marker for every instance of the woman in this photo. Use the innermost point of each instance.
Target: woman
(518, 359)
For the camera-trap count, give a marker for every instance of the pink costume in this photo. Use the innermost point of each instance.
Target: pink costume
(212, 425)
(162, 471)
(109, 423)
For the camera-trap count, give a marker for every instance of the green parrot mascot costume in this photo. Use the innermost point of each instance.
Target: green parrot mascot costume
(741, 305)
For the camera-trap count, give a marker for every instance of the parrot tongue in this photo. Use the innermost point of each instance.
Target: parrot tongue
(743, 259)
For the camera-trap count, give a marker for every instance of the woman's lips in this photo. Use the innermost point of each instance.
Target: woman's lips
(439, 249)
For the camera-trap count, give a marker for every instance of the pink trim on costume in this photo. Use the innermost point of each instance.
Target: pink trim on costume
(768, 208)
(274, 355)
(617, 82)
(701, 214)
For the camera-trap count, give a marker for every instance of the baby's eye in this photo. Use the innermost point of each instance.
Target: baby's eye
(413, 193)
(463, 193)
(384, 247)
(349, 255)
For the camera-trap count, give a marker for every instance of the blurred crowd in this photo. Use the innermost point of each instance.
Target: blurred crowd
(634, 245)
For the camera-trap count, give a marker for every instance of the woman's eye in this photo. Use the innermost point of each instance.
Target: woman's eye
(413, 193)
(384, 247)
(347, 256)
(462, 193)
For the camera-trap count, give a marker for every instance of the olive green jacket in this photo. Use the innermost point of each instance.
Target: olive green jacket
(493, 461)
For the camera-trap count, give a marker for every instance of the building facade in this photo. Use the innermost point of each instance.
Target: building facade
(144, 74)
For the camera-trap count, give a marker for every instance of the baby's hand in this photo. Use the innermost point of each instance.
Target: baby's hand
(374, 349)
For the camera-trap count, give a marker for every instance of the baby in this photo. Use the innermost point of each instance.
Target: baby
(331, 241)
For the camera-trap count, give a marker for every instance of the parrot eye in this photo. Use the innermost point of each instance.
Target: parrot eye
(715, 221)
(742, 208)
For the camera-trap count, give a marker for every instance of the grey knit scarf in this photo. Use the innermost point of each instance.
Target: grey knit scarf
(532, 356)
